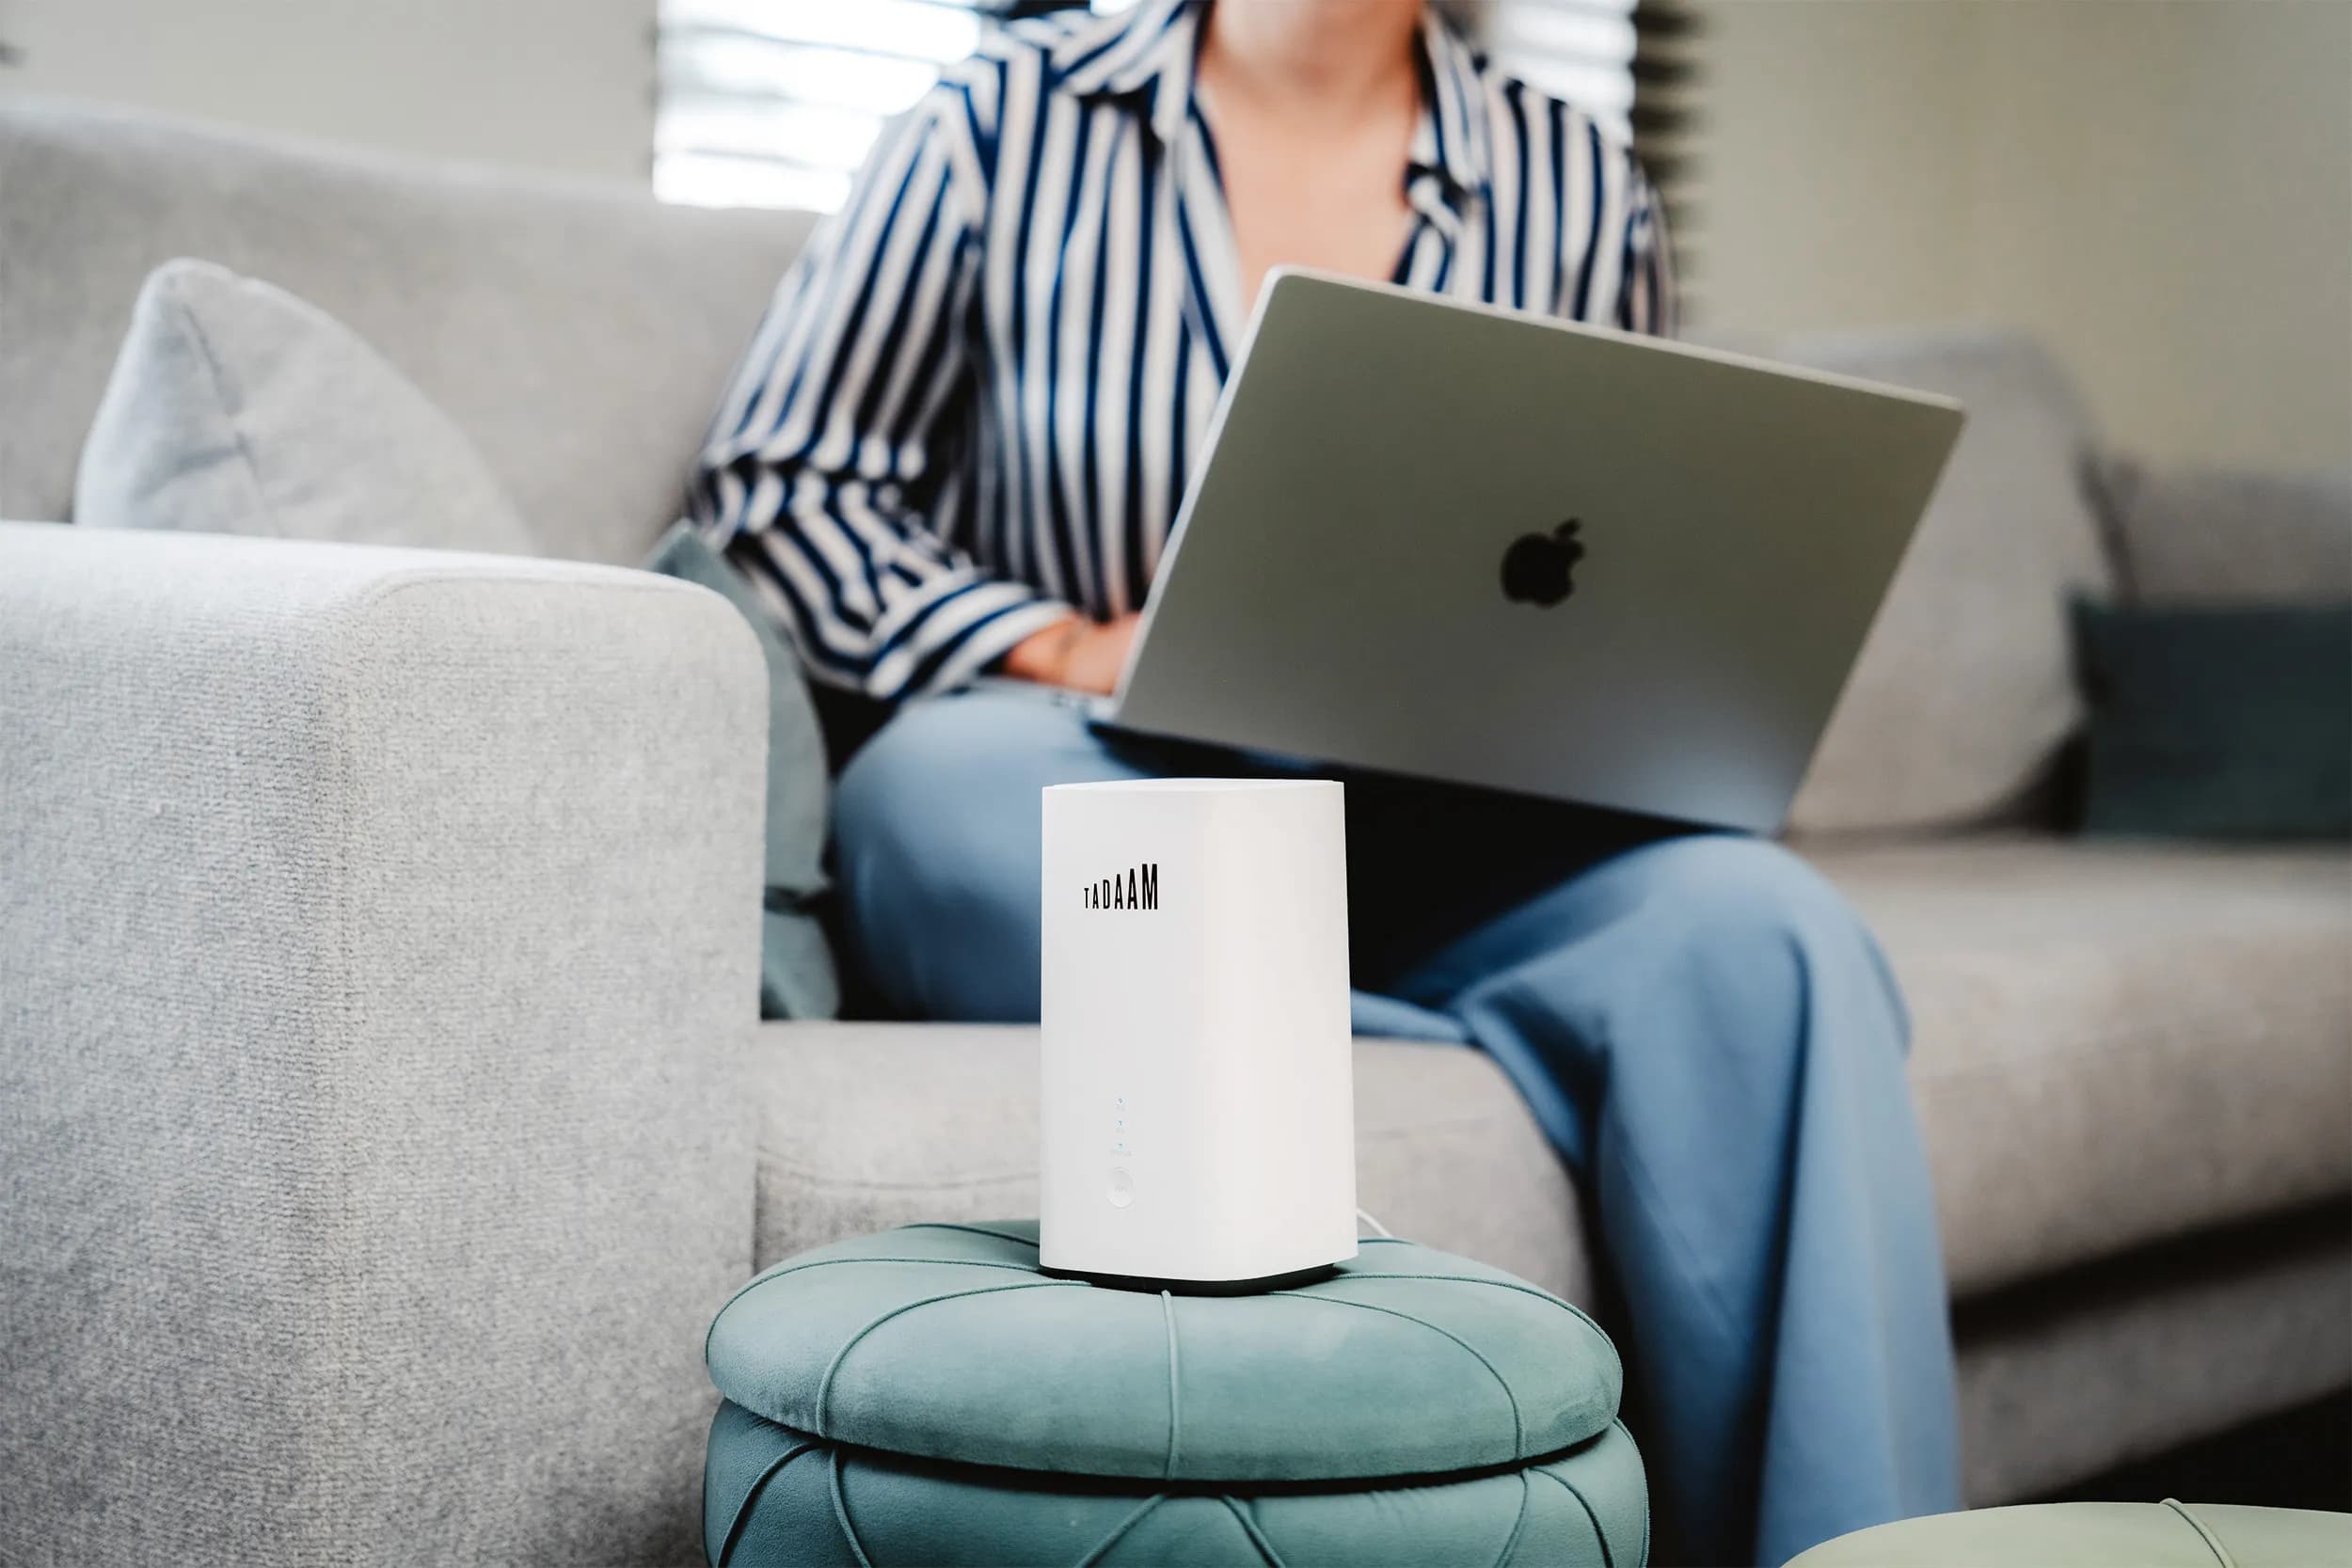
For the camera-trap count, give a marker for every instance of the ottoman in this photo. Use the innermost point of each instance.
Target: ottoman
(2098, 1535)
(931, 1395)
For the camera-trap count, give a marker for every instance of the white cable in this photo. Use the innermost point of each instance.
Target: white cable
(1377, 1229)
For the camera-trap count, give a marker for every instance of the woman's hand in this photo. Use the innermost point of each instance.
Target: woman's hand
(1082, 655)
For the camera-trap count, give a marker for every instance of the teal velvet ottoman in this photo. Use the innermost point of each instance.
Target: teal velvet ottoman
(2169, 1534)
(930, 1395)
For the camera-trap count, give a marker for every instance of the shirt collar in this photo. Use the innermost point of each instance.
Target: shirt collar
(1452, 139)
(1149, 50)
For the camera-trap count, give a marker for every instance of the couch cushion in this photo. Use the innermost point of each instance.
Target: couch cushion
(871, 1125)
(2116, 1044)
(1963, 691)
(2062, 1380)
(577, 334)
(2113, 1046)
(237, 408)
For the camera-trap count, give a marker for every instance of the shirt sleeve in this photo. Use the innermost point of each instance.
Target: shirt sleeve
(834, 435)
(1646, 298)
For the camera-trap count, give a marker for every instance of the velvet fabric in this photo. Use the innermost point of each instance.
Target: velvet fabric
(776, 1496)
(930, 1395)
(2169, 1534)
(950, 1341)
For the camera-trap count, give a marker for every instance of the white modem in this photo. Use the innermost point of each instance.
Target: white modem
(1199, 1093)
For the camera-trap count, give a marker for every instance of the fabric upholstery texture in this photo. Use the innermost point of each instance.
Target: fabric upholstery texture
(797, 976)
(1963, 691)
(237, 408)
(966, 1148)
(2116, 1045)
(774, 1497)
(2133, 1342)
(362, 991)
(577, 334)
(949, 1341)
(2168, 1535)
(2066, 999)
(2218, 536)
(2217, 722)
(2149, 1351)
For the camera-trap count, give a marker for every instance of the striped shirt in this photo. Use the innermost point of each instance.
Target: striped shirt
(975, 400)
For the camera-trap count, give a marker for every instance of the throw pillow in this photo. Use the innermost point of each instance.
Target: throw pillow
(797, 977)
(1962, 697)
(236, 408)
(2208, 722)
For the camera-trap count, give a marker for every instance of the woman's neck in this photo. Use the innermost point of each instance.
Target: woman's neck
(1301, 56)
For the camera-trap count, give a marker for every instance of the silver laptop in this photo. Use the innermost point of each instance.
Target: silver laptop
(1468, 543)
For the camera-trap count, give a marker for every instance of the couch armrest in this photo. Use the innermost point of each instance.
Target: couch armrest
(378, 959)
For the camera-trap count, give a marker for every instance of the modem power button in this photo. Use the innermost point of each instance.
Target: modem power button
(1122, 1191)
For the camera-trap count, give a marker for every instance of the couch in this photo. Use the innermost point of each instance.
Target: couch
(382, 1109)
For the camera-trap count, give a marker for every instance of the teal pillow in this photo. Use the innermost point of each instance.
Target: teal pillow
(797, 977)
(2218, 723)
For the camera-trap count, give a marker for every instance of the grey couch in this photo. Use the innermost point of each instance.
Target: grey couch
(381, 1111)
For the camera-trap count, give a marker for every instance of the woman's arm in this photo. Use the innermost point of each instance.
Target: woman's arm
(832, 428)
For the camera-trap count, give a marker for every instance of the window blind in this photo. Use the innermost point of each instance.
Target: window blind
(1634, 66)
(776, 102)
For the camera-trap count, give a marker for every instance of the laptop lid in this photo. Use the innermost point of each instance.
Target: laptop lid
(1463, 543)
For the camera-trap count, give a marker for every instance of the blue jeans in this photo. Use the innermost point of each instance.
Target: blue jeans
(1699, 1022)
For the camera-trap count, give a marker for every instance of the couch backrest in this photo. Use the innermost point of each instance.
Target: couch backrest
(580, 334)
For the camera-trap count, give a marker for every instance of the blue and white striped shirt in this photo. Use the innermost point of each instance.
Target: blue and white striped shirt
(974, 401)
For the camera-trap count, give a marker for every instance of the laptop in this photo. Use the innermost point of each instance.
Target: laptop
(1463, 543)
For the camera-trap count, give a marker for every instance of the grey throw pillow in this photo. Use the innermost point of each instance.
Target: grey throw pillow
(236, 408)
(1964, 691)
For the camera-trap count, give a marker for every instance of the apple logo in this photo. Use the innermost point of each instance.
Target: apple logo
(1539, 568)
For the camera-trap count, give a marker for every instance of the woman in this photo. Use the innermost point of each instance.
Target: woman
(956, 449)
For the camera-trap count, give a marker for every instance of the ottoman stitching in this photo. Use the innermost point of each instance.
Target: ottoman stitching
(824, 1388)
(974, 1231)
(1517, 1525)
(941, 1263)
(1617, 1423)
(753, 1284)
(2213, 1542)
(1120, 1530)
(1568, 1307)
(759, 1484)
(1175, 1407)
(1257, 1537)
(841, 1517)
(1599, 1534)
(1518, 1426)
